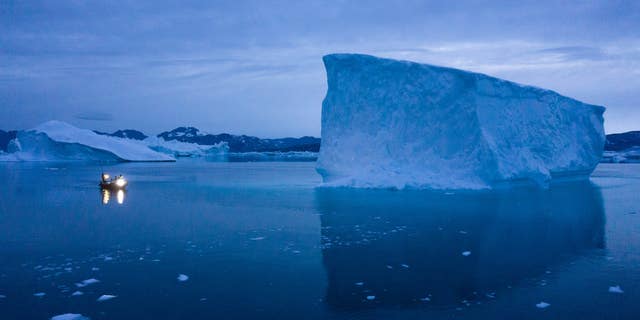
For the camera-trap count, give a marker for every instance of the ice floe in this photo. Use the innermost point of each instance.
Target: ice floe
(542, 305)
(105, 297)
(370, 298)
(87, 282)
(615, 289)
(39, 294)
(77, 293)
(466, 253)
(183, 277)
(69, 316)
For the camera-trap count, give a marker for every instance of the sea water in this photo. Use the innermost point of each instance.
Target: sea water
(245, 240)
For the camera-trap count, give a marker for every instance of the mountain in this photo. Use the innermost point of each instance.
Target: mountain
(5, 137)
(242, 143)
(127, 133)
(622, 141)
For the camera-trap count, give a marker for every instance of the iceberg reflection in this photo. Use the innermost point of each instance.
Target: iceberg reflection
(410, 247)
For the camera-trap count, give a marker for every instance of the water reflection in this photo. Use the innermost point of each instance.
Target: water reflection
(406, 248)
(106, 196)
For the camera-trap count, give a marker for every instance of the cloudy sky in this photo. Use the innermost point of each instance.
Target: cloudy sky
(255, 67)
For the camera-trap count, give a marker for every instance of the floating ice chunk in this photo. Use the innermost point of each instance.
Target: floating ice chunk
(106, 297)
(69, 316)
(39, 294)
(156, 260)
(107, 258)
(95, 269)
(360, 284)
(405, 266)
(389, 267)
(542, 305)
(615, 289)
(2, 296)
(256, 238)
(183, 277)
(466, 253)
(399, 124)
(77, 293)
(425, 299)
(370, 298)
(87, 282)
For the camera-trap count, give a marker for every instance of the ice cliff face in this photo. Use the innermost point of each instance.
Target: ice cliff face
(388, 123)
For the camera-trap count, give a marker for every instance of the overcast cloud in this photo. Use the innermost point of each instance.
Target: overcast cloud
(255, 67)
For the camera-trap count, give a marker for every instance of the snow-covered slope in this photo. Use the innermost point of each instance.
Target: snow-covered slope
(388, 123)
(183, 149)
(56, 140)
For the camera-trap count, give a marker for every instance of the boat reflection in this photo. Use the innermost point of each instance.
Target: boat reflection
(106, 196)
(413, 247)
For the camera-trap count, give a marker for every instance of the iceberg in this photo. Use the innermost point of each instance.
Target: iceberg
(179, 149)
(57, 140)
(400, 124)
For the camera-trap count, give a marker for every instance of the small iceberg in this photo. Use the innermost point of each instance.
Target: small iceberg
(256, 238)
(542, 305)
(183, 277)
(39, 294)
(77, 293)
(371, 298)
(69, 316)
(615, 289)
(105, 297)
(87, 282)
(466, 253)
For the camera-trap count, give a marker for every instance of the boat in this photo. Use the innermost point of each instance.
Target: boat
(115, 183)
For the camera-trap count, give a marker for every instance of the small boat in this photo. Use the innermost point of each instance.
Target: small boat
(115, 183)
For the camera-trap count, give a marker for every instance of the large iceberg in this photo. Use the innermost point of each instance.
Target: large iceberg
(56, 140)
(388, 123)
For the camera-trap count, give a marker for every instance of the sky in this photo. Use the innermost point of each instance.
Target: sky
(255, 67)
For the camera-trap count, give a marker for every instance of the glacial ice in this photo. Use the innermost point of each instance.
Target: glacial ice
(57, 140)
(399, 124)
(69, 316)
(106, 297)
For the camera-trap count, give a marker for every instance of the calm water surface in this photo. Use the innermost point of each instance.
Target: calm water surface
(260, 241)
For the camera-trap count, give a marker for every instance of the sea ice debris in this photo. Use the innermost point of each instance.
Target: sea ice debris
(542, 305)
(69, 316)
(183, 277)
(105, 297)
(615, 289)
(87, 282)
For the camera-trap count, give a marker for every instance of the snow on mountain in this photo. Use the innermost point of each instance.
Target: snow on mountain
(388, 123)
(127, 133)
(242, 143)
(56, 140)
(184, 149)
